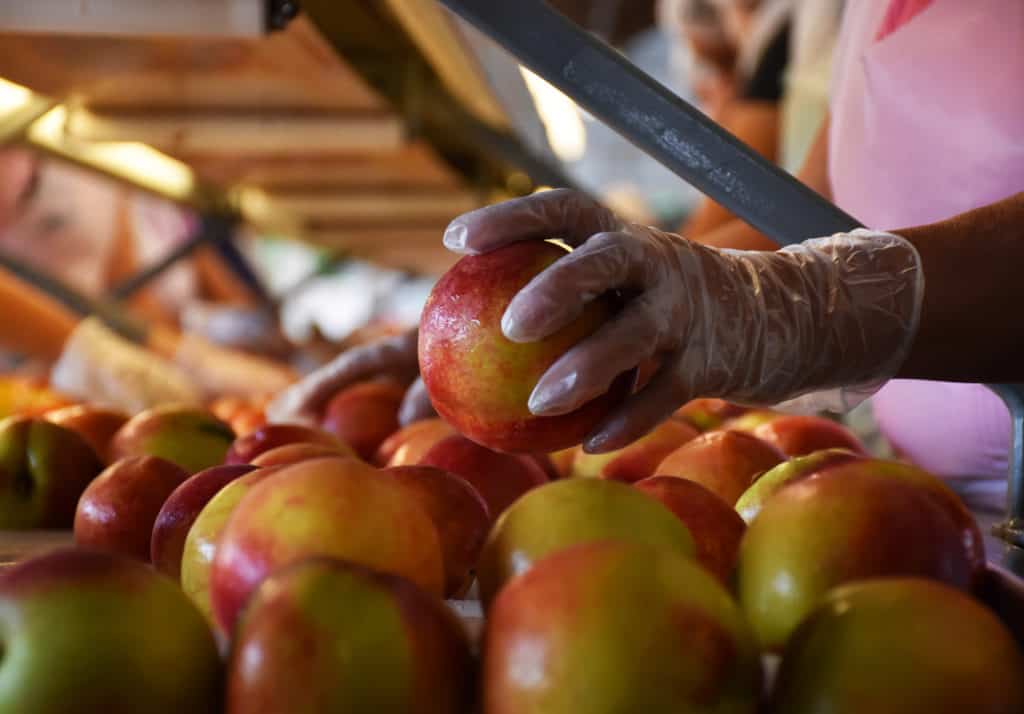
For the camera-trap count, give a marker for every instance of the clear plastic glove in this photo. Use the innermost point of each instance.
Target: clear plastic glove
(100, 366)
(393, 357)
(223, 371)
(751, 327)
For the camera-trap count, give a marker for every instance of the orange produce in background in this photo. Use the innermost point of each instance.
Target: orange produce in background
(97, 425)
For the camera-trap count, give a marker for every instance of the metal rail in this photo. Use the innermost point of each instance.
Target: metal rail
(215, 231)
(657, 121)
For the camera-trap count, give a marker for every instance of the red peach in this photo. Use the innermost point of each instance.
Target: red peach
(480, 381)
(724, 462)
(364, 415)
(340, 508)
(638, 460)
(408, 445)
(248, 447)
(97, 425)
(499, 478)
(118, 509)
(180, 511)
(459, 513)
(798, 435)
(716, 528)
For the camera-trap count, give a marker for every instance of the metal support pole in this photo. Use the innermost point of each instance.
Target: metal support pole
(215, 231)
(130, 286)
(648, 114)
(1012, 531)
(239, 265)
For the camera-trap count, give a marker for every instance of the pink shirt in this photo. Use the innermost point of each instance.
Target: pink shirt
(928, 122)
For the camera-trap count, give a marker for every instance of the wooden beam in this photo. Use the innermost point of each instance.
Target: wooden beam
(413, 165)
(231, 18)
(417, 250)
(365, 237)
(231, 133)
(379, 208)
(295, 69)
(432, 260)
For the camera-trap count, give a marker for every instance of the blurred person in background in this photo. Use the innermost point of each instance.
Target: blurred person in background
(91, 234)
(761, 69)
(104, 233)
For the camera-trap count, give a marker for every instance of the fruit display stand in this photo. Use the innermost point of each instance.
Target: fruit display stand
(999, 588)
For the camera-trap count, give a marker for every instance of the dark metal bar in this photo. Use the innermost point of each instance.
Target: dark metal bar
(215, 231)
(130, 286)
(239, 265)
(669, 129)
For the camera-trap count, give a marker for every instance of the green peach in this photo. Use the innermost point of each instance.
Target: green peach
(334, 507)
(900, 646)
(83, 632)
(569, 512)
(750, 420)
(847, 523)
(203, 536)
(353, 640)
(194, 439)
(708, 414)
(610, 627)
(44, 468)
(749, 504)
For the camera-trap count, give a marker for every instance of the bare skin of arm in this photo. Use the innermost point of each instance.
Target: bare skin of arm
(971, 329)
(737, 234)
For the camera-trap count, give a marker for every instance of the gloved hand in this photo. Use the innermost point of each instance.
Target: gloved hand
(100, 366)
(751, 327)
(393, 357)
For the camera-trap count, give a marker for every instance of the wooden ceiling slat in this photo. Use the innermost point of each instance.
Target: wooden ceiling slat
(370, 236)
(419, 249)
(224, 18)
(379, 207)
(430, 261)
(414, 164)
(292, 69)
(237, 133)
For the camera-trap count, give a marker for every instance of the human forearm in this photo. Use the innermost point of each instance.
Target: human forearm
(970, 326)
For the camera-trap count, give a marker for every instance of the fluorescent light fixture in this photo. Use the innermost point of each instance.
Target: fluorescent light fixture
(560, 117)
